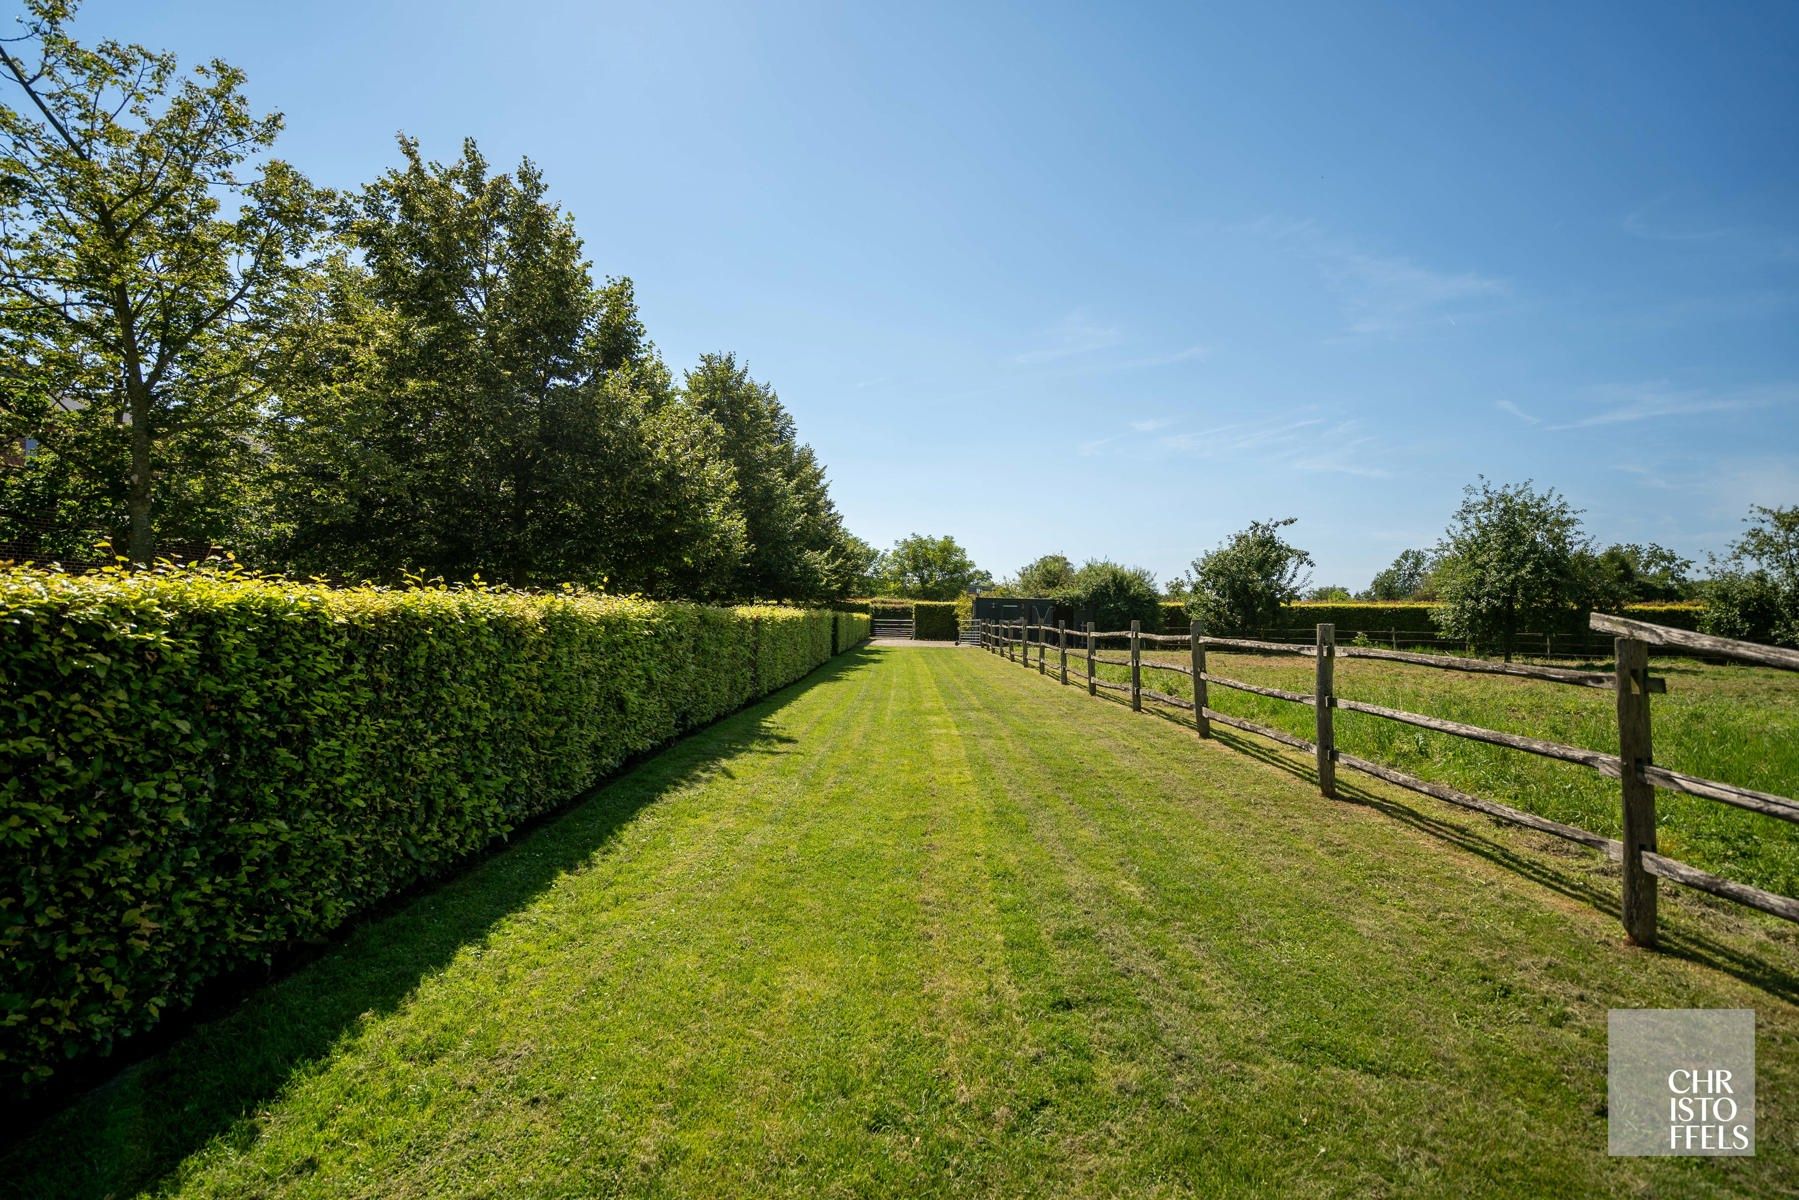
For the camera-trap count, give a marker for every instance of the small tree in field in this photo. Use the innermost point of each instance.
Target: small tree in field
(1754, 594)
(1509, 560)
(1243, 584)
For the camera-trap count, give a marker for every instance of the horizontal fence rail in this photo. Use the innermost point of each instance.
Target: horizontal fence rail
(1633, 765)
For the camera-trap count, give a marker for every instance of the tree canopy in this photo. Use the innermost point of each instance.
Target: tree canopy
(1754, 592)
(421, 376)
(1113, 595)
(144, 261)
(1241, 586)
(1509, 561)
(1045, 576)
(1406, 578)
(923, 567)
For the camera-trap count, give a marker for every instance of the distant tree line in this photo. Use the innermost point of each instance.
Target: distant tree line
(1513, 558)
(422, 376)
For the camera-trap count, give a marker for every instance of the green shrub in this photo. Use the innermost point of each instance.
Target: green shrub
(198, 768)
(934, 620)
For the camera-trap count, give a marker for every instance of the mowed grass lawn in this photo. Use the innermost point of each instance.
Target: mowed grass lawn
(1731, 723)
(926, 924)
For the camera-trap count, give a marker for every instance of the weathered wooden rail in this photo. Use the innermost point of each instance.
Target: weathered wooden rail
(1633, 765)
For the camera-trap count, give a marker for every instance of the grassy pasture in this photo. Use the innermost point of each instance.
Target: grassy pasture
(926, 925)
(1735, 724)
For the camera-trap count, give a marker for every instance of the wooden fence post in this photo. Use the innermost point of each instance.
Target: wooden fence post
(1136, 667)
(1327, 738)
(1042, 650)
(1062, 648)
(1636, 752)
(1200, 722)
(1092, 687)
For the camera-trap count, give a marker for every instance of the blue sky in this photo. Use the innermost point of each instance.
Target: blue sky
(1114, 281)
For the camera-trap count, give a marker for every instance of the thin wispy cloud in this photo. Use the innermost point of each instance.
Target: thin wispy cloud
(1344, 451)
(1189, 354)
(1151, 425)
(1508, 407)
(1079, 342)
(1638, 225)
(1383, 295)
(1238, 437)
(1073, 336)
(1747, 240)
(1623, 406)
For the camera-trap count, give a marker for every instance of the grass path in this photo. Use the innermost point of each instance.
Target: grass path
(928, 925)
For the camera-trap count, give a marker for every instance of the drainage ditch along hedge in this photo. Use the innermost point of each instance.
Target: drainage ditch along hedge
(197, 768)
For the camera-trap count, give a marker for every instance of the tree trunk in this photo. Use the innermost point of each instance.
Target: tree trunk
(141, 546)
(141, 542)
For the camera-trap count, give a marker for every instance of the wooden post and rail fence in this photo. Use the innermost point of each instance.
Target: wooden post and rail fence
(1633, 766)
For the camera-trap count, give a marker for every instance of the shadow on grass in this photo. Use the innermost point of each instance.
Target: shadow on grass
(218, 1066)
(1597, 892)
(1680, 940)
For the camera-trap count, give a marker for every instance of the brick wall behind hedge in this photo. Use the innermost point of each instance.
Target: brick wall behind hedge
(198, 769)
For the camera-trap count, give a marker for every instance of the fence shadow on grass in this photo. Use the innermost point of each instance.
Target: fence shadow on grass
(209, 1080)
(1680, 939)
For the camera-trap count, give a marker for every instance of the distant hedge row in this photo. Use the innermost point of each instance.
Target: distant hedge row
(1411, 616)
(199, 768)
(932, 620)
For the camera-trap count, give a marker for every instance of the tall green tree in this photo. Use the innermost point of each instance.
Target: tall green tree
(1406, 578)
(1632, 573)
(797, 546)
(1242, 585)
(1510, 560)
(465, 401)
(1112, 595)
(143, 263)
(1045, 576)
(861, 566)
(1754, 591)
(923, 567)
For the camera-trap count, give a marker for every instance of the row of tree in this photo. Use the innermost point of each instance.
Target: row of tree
(200, 347)
(1513, 558)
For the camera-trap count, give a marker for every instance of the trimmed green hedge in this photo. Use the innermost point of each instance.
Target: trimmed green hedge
(1676, 614)
(199, 768)
(934, 620)
(851, 629)
(1407, 616)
